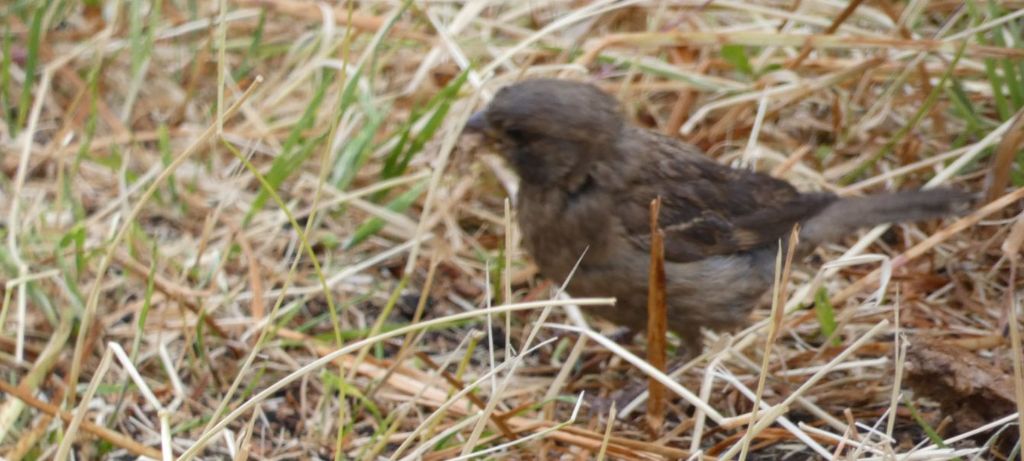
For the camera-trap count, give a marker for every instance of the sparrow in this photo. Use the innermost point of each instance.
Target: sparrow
(587, 178)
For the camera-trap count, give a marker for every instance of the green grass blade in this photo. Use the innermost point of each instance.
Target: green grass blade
(963, 107)
(374, 225)
(254, 48)
(930, 431)
(1013, 80)
(399, 158)
(998, 97)
(139, 50)
(5, 77)
(737, 56)
(930, 101)
(31, 63)
(354, 154)
(163, 144)
(289, 161)
(826, 315)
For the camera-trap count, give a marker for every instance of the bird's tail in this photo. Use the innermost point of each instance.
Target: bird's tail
(848, 214)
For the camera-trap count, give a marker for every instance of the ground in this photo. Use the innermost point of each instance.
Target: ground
(250, 228)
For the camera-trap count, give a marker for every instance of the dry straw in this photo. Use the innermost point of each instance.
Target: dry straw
(260, 225)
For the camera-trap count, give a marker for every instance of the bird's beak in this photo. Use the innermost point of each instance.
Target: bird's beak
(477, 123)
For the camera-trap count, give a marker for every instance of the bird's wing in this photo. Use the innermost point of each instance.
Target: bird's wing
(710, 209)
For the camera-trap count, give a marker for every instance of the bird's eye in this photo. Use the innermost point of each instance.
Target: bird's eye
(515, 134)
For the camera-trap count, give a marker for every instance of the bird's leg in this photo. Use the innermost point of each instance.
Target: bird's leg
(692, 345)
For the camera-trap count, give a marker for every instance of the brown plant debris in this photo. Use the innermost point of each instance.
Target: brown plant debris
(968, 388)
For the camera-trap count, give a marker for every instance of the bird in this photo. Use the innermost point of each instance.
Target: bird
(588, 176)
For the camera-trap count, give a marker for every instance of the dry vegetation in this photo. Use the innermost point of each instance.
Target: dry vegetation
(249, 228)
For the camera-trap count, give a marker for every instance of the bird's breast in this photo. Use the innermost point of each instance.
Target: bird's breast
(558, 229)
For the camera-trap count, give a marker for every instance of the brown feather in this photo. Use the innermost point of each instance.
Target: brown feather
(588, 179)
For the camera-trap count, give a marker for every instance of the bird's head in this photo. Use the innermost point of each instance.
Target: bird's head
(550, 129)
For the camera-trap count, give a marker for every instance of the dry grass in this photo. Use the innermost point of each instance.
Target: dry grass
(249, 229)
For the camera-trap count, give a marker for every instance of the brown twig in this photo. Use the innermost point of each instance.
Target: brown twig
(1002, 161)
(791, 161)
(114, 438)
(657, 320)
(257, 306)
(182, 295)
(687, 96)
(832, 28)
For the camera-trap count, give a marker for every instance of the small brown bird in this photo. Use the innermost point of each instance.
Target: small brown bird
(587, 180)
